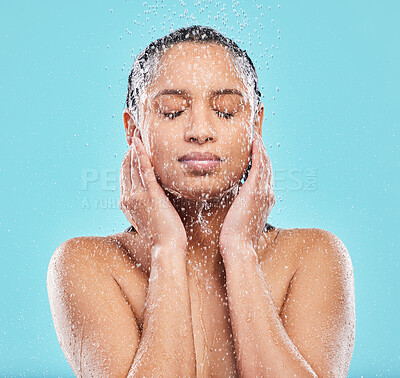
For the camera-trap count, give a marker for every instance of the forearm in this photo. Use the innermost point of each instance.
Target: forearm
(167, 345)
(262, 345)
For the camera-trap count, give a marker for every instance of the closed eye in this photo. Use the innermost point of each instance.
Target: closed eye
(225, 115)
(173, 115)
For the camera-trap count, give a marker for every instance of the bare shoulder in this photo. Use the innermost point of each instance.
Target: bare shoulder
(319, 311)
(305, 244)
(107, 253)
(79, 250)
(95, 293)
(75, 257)
(318, 253)
(318, 245)
(95, 256)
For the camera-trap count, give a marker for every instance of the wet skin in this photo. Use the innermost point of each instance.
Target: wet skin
(275, 303)
(307, 271)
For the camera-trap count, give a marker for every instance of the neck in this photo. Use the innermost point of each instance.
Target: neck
(203, 222)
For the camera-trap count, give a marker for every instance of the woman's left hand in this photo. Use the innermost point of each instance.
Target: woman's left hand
(249, 211)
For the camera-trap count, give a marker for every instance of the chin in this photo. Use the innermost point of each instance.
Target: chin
(199, 187)
(200, 194)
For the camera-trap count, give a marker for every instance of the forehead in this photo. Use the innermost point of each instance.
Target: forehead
(197, 67)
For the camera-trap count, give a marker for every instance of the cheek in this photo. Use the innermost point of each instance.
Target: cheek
(150, 136)
(162, 152)
(247, 139)
(241, 141)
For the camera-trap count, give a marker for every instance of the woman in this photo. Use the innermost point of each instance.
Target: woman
(200, 284)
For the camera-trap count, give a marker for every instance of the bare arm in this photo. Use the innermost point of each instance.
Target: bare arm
(97, 327)
(316, 336)
(167, 344)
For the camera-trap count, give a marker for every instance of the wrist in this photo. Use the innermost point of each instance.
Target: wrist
(167, 254)
(233, 253)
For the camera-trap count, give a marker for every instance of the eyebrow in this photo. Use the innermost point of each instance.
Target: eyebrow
(226, 91)
(182, 92)
(179, 92)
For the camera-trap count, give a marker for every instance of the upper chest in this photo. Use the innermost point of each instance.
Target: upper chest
(212, 329)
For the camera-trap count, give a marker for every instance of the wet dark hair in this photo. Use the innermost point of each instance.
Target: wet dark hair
(146, 62)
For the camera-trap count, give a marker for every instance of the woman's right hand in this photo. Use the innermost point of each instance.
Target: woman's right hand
(145, 204)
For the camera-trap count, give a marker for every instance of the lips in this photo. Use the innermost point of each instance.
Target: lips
(200, 163)
(200, 156)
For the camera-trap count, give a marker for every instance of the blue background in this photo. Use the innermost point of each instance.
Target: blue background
(329, 74)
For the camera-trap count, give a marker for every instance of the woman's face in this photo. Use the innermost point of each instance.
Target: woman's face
(197, 103)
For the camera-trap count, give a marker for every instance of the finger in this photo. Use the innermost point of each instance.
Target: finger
(269, 181)
(271, 174)
(260, 164)
(263, 153)
(135, 177)
(269, 168)
(252, 178)
(125, 174)
(266, 168)
(271, 201)
(265, 160)
(271, 194)
(145, 168)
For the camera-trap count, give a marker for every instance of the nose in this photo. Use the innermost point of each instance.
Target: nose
(199, 128)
